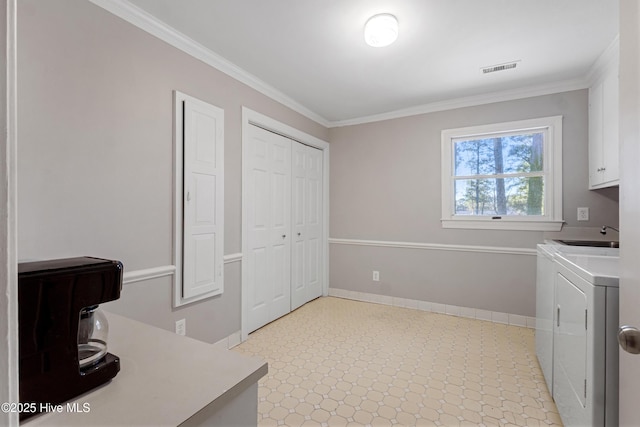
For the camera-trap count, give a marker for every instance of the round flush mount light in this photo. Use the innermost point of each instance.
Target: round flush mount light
(381, 30)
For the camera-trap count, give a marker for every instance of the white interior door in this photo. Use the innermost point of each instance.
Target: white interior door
(268, 255)
(202, 199)
(629, 203)
(307, 210)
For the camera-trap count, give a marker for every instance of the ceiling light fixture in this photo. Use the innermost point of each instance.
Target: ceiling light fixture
(381, 30)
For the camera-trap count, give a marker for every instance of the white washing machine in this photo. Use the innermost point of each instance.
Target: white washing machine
(585, 347)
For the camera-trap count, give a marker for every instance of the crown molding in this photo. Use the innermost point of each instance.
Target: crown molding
(152, 25)
(471, 101)
(608, 58)
(147, 22)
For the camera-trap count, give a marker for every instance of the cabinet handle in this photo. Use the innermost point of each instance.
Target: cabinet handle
(558, 316)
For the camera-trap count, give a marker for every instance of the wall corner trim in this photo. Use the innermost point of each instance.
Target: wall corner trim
(9, 352)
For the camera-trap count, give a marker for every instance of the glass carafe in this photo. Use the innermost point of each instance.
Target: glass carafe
(93, 330)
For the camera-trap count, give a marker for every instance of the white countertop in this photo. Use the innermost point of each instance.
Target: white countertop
(164, 379)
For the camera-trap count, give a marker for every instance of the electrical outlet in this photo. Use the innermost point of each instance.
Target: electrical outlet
(181, 327)
(376, 276)
(583, 214)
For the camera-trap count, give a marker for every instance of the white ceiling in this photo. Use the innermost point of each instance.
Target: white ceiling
(313, 51)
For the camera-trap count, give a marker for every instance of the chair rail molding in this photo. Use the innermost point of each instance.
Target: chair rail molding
(434, 246)
(166, 270)
(148, 274)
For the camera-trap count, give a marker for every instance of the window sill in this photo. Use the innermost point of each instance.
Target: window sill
(503, 224)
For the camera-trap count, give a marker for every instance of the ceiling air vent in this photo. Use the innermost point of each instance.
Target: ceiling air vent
(499, 67)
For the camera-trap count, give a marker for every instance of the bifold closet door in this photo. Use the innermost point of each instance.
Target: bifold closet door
(306, 199)
(269, 223)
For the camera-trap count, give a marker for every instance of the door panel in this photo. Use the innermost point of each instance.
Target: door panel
(284, 214)
(269, 223)
(307, 224)
(202, 200)
(314, 209)
(298, 266)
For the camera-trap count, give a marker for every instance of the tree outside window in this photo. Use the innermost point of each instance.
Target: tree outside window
(500, 175)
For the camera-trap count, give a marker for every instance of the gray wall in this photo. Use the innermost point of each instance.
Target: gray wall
(95, 154)
(385, 186)
(95, 173)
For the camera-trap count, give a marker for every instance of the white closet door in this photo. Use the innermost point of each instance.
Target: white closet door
(307, 252)
(268, 255)
(299, 249)
(202, 199)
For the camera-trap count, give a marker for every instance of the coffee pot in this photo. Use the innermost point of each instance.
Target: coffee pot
(63, 335)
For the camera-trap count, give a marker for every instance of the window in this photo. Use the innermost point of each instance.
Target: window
(505, 176)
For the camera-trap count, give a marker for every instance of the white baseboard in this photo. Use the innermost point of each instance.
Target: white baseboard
(229, 342)
(453, 310)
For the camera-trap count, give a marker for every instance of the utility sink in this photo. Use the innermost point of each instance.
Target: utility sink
(593, 243)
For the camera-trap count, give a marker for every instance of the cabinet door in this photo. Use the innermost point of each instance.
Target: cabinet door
(595, 134)
(203, 200)
(570, 352)
(604, 129)
(610, 131)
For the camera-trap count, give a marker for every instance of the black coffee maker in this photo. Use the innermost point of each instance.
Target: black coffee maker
(62, 332)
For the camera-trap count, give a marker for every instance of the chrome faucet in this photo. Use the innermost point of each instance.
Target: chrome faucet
(603, 230)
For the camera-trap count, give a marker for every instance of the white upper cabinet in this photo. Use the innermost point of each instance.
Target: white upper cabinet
(603, 126)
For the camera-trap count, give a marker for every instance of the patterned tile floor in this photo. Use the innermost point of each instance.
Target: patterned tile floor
(336, 362)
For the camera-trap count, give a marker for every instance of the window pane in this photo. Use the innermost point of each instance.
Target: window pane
(499, 196)
(500, 155)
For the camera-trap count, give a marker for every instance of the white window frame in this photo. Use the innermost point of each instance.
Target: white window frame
(552, 151)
